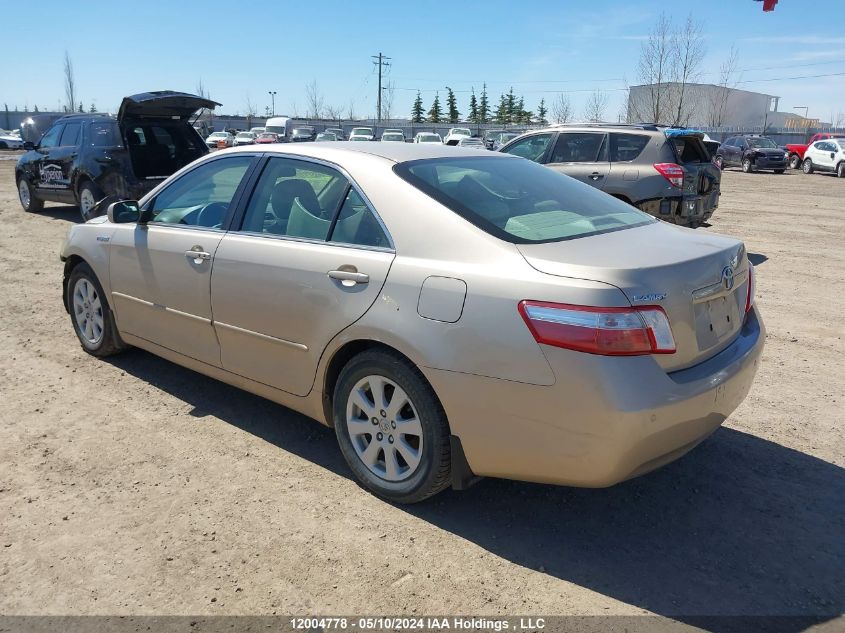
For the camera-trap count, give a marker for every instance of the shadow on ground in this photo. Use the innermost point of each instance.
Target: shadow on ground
(66, 212)
(740, 526)
(757, 258)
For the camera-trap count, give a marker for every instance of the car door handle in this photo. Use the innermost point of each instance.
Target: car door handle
(349, 276)
(197, 254)
(596, 175)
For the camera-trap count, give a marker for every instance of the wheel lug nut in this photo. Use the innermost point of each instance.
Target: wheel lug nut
(390, 439)
(379, 437)
(393, 424)
(374, 421)
(382, 413)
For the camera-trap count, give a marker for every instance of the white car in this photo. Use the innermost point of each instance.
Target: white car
(825, 155)
(11, 140)
(394, 137)
(245, 138)
(214, 139)
(427, 137)
(456, 134)
(362, 134)
(477, 143)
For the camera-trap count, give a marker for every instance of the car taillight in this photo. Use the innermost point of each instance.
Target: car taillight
(671, 172)
(749, 295)
(605, 331)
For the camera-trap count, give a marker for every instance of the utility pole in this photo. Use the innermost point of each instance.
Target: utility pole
(272, 94)
(381, 62)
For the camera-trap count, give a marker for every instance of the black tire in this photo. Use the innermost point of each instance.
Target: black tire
(35, 205)
(747, 165)
(794, 161)
(432, 474)
(88, 188)
(840, 170)
(807, 166)
(109, 341)
(779, 171)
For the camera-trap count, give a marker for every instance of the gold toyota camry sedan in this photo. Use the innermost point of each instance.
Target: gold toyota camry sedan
(452, 313)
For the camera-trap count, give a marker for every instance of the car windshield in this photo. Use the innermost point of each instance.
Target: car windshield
(429, 138)
(518, 200)
(303, 130)
(392, 137)
(461, 130)
(244, 135)
(218, 134)
(326, 136)
(277, 129)
(362, 130)
(762, 142)
(267, 135)
(504, 138)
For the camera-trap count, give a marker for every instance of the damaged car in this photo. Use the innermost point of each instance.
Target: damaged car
(81, 159)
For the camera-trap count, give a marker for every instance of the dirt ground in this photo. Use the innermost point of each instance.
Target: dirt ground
(133, 486)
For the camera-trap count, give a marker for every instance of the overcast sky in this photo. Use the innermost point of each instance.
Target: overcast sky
(241, 50)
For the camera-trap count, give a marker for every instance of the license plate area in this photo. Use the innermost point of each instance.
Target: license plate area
(716, 320)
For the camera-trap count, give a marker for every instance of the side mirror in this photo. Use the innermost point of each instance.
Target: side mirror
(28, 145)
(124, 212)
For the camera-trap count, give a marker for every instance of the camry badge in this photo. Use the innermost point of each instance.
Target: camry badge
(650, 297)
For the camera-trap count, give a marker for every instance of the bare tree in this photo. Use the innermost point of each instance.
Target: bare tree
(687, 56)
(202, 91)
(387, 100)
(562, 109)
(251, 110)
(654, 71)
(314, 100)
(595, 106)
(717, 107)
(350, 112)
(70, 84)
(335, 113)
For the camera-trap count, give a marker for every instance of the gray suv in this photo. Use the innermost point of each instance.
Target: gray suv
(667, 173)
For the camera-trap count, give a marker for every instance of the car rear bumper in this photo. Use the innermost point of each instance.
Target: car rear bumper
(605, 420)
(684, 210)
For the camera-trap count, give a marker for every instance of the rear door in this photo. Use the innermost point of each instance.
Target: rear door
(310, 258)
(582, 155)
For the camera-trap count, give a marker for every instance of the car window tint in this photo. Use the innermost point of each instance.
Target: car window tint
(51, 138)
(295, 198)
(203, 195)
(626, 147)
(105, 134)
(579, 147)
(517, 200)
(70, 136)
(531, 147)
(356, 224)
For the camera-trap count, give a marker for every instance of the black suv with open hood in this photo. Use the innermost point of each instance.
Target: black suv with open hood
(83, 158)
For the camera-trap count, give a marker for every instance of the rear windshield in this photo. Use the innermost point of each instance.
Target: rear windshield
(276, 129)
(518, 200)
(690, 149)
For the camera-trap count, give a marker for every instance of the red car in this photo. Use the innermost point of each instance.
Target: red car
(796, 150)
(267, 137)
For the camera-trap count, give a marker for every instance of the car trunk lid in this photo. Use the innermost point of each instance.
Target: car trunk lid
(162, 104)
(686, 274)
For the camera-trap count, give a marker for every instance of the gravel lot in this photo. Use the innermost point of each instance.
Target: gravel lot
(133, 486)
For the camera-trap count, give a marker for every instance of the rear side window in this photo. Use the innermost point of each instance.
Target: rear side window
(531, 147)
(70, 136)
(519, 201)
(104, 134)
(579, 147)
(357, 225)
(626, 147)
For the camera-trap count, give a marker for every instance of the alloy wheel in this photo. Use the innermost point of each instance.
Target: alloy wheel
(23, 192)
(88, 311)
(384, 428)
(86, 202)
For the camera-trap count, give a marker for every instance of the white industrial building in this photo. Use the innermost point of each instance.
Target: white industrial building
(707, 105)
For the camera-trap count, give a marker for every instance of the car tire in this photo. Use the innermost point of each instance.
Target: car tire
(401, 467)
(90, 314)
(779, 171)
(807, 166)
(29, 202)
(794, 162)
(840, 170)
(89, 194)
(747, 165)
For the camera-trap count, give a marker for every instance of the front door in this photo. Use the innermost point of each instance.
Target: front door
(50, 175)
(161, 271)
(582, 155)
(309, 260)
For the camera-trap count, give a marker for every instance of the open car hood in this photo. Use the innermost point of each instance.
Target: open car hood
(163, 103)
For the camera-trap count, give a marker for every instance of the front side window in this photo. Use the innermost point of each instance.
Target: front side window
(531, 147)
(295, 198)
(626, 147)
(579, 147)
(70, 136)
(519, 201)
(203, 195)
(51, 137)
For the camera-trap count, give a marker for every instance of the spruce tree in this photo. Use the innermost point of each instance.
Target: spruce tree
(418, 112)
(510, 106)
(501, 115)
(484, 107)
(435, 114)
(473, 108)
(542, 112)
(452, 106)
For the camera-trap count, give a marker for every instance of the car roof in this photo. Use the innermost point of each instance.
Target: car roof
(343, 150)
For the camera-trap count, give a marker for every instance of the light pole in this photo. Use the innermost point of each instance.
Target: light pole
(272, 94)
